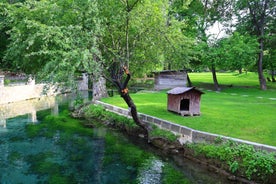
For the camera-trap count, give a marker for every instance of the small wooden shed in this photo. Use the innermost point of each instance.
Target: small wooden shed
(184, 101)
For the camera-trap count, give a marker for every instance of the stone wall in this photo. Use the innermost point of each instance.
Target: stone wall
(186, 134)
(30, 90)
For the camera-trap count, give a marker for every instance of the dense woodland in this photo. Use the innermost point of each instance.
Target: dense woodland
(55, 40)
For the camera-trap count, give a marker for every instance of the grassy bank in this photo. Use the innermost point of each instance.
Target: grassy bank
(239, 159)
(240, 110)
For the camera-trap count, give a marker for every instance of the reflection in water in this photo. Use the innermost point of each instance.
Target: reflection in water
(30, 107)
(3, 123)
(32, 117)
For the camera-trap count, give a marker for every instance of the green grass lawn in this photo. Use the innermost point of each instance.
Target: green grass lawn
(241, 111)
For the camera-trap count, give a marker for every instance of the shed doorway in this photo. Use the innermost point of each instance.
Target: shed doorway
(185, 105)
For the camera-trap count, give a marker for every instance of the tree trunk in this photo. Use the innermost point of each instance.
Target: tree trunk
(134, 113)
(273, 76)
(259, 23)
(189, 81)
(216, 85)
(260, 64)
(123, 91)
(240, 71)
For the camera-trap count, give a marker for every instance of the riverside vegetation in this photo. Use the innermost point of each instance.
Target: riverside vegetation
(243, 162)
(221, 114)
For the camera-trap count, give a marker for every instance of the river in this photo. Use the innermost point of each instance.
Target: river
(40, 143)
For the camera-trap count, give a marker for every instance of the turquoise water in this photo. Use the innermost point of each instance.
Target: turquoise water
(37, 148)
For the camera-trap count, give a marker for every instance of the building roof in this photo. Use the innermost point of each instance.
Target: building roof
(181, 90)
(168, 71)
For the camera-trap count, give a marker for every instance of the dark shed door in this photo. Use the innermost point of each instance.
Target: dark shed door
(185, 105)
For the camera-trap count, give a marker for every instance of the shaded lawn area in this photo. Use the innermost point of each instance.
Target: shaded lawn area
(245, 80)
(244, 113)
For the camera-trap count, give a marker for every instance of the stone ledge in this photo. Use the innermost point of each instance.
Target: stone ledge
(187, 134)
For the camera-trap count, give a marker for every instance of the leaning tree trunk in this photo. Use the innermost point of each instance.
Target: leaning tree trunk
(216, 85)
(122, 88)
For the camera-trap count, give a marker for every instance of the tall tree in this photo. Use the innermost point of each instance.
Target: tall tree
(53, 39)
(257, 14)
(237, 52)
(201, 15)
(137, 37)
(129, 41)
(270, 49)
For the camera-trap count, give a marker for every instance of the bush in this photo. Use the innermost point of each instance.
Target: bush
(157, 132)
(98, 112)
(242, 158)
(7, 81)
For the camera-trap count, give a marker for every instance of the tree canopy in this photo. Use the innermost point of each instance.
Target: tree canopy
(55, 40)
(52, 39)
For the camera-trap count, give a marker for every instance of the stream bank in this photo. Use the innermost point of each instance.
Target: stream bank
(174, 148)
(49, 146)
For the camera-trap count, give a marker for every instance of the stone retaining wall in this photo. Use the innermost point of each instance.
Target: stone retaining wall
(187, 135)
(30, 90)
(17, 93)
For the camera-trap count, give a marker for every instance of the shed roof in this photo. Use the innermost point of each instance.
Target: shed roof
(168, 71)
(181, 90)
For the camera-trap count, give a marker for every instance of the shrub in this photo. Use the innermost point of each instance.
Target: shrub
(7, 81)
(252, 163)
(157, 132)
(93, 111)
(98, 112)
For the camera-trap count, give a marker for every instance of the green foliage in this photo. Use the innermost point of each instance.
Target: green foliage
(52, 124)
(158, 132)
(127, 153)
(7, 82)
(173, 176)
(42, 165)
(254, 164)
(98, 112)
(94, 111)
(237, 52)
(14, 156)
(33, 130)
(220, 112)
(78, 101)
(233, 166)
(54, 39)
(143, 34)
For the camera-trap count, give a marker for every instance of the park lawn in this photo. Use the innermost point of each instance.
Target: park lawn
(240, 112)
(245, 80)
